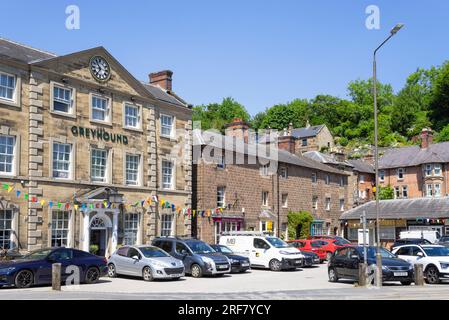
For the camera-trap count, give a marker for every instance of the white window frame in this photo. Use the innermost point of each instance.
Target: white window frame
(265, 170)
(314, 177)
(139, 174)
(172, 127)
(437, 195)
(139, 108)
(164, 224)
(327, 179)
(404, 192)
(221, 160)
(14, 157)
(108, 111)
(342, 205)
(15, 101)
(397, 192)
(382, 175)
(401, 171)
(428, 171)
(71, 162)
(429, 190)
(315, 202)
(72, 107)
(11, 229)
(284, 200)
(440, 169)
(131, 223)
(284, 172)
(55, 227)
(362, 178)
(327, 203)
(107, 165)
(221, 196)
(265, 196)
(173, 175)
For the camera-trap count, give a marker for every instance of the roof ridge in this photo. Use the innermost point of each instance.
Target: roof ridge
(28, 47)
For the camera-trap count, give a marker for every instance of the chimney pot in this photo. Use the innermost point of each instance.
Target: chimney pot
(426, 138)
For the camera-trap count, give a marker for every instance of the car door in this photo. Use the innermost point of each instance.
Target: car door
(404, 253)
(134, 264)
(183, 253)
(258, 252)
(120, 259)
(62, 256)
(351, 264)
(339, 261)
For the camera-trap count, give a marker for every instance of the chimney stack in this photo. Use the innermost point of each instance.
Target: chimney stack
(238, 128)
(426, 138)
(162, 79)
(287, 143)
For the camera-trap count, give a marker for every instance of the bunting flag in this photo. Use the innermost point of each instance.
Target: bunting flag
(105, 204)
(142, 203)
(50, 204)
(76, 207)
(59, 205)
(26, 196)
(193, 213)
(155, 199)
(67, 206)
(33, 199)
(42, 202)
(5, 186)
(18, 193)
(10, 189)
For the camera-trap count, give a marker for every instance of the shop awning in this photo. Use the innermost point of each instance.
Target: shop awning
(433, 208)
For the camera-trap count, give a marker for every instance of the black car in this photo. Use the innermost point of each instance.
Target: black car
(310, 259)
(402, 242)
(344, 264)
(198, 257)
(239, 264)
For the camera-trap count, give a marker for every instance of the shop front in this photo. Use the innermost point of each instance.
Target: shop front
(226, 224)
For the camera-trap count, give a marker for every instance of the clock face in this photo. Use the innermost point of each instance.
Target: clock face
(100, 69)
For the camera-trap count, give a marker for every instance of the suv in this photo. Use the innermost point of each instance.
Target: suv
(403, 242)
(435, 260)
(198, 257)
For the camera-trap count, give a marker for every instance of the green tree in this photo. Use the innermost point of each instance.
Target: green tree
(443, 135)
(217, 115)
(280, 116)
(386, 193)
(302, 219)
(439, 105)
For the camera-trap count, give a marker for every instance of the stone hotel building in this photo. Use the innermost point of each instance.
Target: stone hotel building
(80, 129)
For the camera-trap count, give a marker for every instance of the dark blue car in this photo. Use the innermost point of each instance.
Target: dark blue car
(36, 268)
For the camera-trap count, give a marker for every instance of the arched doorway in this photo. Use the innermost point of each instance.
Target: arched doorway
(99, 233)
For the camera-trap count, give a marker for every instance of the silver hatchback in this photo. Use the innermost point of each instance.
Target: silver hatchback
(144, 261)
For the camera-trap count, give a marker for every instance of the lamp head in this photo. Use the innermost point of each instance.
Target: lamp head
(396, 28)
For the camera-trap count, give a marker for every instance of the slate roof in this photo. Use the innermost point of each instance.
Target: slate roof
(435, 208)
(217, 140)
(325, 158)
(361, 166)
(414, 156)
(19, 52)
(312, 131)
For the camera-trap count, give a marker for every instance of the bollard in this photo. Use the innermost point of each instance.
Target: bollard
(362, 275)
(419, 275)
(56, 276)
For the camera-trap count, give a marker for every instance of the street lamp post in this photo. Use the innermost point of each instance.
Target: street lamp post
(378, 279)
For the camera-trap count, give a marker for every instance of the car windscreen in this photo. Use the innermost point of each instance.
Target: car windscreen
(277, 243)
(339, 242)
(436, 251)
(200, 247)
(444, 239)
(153, 252)
(343, 241)
(225, 249)
(37, 255)
(372, 251)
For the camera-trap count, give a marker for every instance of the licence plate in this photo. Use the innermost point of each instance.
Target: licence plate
(298, 262)
(400, 274)
(175, 275)
(245, 264)
(222, 267)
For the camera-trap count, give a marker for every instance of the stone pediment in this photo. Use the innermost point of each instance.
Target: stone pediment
(77, 65)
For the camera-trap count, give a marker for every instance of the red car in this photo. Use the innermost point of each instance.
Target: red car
(310, 246)
(330, 245)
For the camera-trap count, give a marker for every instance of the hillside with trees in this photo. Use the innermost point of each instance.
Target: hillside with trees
(422, 102)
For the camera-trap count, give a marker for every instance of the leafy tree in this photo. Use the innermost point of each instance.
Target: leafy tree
(303, 219)
(280, 116)
(386, 193)
(443, 135)
(439, 104)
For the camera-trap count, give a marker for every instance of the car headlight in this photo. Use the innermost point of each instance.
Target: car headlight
(444, 265)
(157, 264)
(209, 262)
(234, 261)
(287, 253)
(7, 270)
(385, 268)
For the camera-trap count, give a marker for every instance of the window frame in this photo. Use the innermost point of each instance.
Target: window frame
(108, 111)
(314, 177)
(435, 190)
(440, 168)
(284, 200)
(68, 236)
(16, 101)
(404, 192)
(133, 225)
(172, 128)
(71, 160)
(265, 195)
(381, 175)
(11, 228)
(223, 195)
(401, 171)
(171, 229)
(342, 205)
(14, 162)
(139, 174)
(173, 174)
(72, 107)
(139, 108)
(327, 203)
(107, 165)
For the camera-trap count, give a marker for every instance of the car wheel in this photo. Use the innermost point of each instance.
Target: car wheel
(432, 275)
(328, 256)
(275, 265)
(333, 276)
(24, 279)
(147, 274)
(92, 275)
(406, 283)
(196, 271)
(112, 273)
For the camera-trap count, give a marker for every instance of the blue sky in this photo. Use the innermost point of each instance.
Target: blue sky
(259, 52)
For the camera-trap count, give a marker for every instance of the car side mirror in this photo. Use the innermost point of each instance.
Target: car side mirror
(136, 258)
(355, 257)
(420, 254)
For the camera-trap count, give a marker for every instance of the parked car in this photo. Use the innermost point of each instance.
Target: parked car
(344, 264)
(198, 257)
(310, 258)
(310, 246)
(239, 264)
(329, 245)
(263, 251)
(430, 235)
(444, 241)
(434, 258)
(10, 254)
(144, 261)
(341, 239)
(35, 268)
(402, 242)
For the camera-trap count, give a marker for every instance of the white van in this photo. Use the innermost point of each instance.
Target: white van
(431, 235)
(263, 251)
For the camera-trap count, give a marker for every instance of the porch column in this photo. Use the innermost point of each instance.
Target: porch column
(114, 231)
(86, 235)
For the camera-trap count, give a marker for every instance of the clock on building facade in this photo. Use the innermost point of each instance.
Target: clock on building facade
(100, 69)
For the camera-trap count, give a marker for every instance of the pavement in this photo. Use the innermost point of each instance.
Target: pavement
(304, 284)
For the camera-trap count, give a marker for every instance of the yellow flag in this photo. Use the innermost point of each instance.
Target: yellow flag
(10, 189)
(42, 202)
(76, 207)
